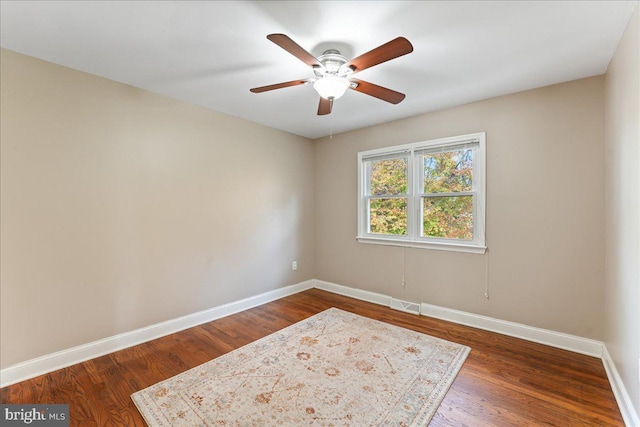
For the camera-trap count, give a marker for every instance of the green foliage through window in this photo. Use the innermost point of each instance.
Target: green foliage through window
(448, 217)
(388, 216)
(388, 177)
(448, 172)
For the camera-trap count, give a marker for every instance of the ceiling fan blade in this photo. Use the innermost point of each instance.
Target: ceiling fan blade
(278, 86)
(294, 48)
(324, 107)
(379, 92)
(386, 52)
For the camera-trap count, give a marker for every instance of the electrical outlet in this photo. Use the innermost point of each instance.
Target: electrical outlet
(294, 265)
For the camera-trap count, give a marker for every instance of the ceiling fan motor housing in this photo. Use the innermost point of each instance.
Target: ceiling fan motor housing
(333, 63)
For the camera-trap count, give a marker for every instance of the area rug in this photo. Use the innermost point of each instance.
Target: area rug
(332, 369)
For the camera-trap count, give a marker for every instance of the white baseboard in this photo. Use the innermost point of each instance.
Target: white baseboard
(368, 296)
(629, 414)
(543, 336)
(61, 359)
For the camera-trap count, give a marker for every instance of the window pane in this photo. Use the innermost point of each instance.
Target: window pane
(388, 216)
(388, 177)
(448, 172)
(448, 217)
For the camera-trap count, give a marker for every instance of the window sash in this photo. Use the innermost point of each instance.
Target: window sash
(419, 155)
(455, 194)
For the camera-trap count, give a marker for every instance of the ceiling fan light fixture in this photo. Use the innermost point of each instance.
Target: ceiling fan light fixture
(333, 71)
(331, 87)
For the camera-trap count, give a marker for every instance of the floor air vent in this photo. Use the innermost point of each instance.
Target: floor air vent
(409, 307)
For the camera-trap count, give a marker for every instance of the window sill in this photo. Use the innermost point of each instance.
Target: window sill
(454, 247)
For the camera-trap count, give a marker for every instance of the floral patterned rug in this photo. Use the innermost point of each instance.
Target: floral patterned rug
(332, 369)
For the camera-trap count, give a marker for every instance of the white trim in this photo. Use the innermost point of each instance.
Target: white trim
(629, 414)
(61, 359)
(543, 336)
(441, 246)
(368, 296)
(414, 237)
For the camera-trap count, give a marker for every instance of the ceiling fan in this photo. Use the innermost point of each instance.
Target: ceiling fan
(333, 72)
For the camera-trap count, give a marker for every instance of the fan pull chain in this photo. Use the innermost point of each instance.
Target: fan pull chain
(486, 278)
(331, 127)
(404, 269)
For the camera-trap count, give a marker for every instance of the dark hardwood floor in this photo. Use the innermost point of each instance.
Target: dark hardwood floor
(504, 382)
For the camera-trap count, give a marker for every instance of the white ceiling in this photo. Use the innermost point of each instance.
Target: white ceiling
(211, 53)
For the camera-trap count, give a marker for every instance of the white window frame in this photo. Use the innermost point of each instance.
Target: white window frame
(414, 206)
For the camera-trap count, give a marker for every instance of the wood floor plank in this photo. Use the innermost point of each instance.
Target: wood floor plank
(505, 381)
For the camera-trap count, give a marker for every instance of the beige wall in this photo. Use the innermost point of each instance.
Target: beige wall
(545, 212)
(122, 208)
(622, 297)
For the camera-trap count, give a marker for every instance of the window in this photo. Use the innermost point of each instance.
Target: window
(427, 194)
